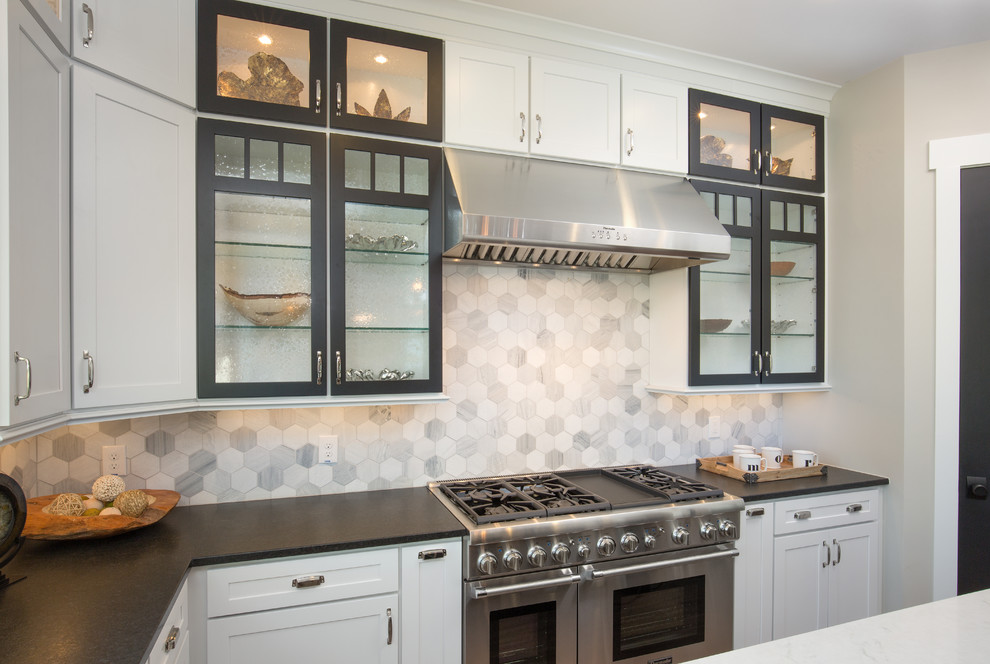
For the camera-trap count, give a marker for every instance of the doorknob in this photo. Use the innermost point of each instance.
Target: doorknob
(976, 487)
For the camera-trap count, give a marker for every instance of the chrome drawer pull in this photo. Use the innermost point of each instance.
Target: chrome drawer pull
(18, 398)
(804, 514)
(388, 612)
(308, 581)
(432, 554)
(89, 24)
(855, 507)
(172, 639)
(829, 549)
(755, 511)
(90, 371)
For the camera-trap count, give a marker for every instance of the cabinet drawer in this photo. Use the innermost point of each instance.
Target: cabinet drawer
(826, 511)
(297, 581)
(170, 646)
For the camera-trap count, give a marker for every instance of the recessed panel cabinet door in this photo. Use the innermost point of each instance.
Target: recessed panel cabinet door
(654, 123)
(134, 291)
(800, 588)
(34, 223)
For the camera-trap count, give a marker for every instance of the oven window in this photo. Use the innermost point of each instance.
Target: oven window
(524, 635)
(661, 616)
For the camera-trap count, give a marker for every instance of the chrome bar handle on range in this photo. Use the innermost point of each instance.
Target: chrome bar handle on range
(308, 581)
(90, 371)
(18, 398)
(481, 591)
(319, 367)
(338, 367)
(522, 126)
(388, 641)
(755, 511)
(769, 357)
(593, 573)
(838, 552)
(759, 363)
(759, 161)
(632, 146)
(340, 99)
(319, 95)
(172, 639)
(539, 128)
(829, 549)
(89, 24)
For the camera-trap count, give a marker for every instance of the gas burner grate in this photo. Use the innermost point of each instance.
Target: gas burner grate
(558, 495)
(491, 500)
(672, 487)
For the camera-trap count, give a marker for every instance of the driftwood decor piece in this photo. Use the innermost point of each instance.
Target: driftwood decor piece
(383, 109)
(271, 81)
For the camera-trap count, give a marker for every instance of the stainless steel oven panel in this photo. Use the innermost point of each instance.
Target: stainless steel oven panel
(603, 580)
(485, 599)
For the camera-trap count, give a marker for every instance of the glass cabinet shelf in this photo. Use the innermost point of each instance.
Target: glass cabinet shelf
(264, 327)
(386, 257)
(418, 330)
(716, 275)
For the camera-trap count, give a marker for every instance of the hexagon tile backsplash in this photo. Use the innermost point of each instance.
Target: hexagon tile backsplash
(544, 370)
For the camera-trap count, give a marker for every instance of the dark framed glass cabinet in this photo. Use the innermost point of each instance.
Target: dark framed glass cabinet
(385, 244)
(744, 141)
(261, 260)
(758, 317)
(261, 62)
(386, 82)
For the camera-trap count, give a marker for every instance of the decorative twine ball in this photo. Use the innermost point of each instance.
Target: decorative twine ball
(67, 504)
(107, 487)
(131, 503)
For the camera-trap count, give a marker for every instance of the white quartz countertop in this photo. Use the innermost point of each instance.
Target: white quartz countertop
(949, 631)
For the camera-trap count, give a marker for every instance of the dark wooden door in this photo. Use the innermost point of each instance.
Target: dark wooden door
(974, 381)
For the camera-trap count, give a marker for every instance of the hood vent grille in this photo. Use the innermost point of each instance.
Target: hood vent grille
(561, 258)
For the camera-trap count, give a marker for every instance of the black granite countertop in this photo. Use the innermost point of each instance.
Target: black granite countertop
(90, 601)
(836, 479)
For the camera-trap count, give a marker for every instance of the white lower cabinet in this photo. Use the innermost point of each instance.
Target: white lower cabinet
(172, 643)
(753, 595)
(431, 602)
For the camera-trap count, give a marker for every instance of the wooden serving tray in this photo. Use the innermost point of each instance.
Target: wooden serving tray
(41, 526)
(723, 466)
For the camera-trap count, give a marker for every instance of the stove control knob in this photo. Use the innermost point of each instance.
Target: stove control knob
(606, 546)
(680, 535)
(487, 563)
(708, 531)
(584, 551)
(512, 559)
(728, 529)
(649, 541)
(537, 556)
(560, 553)
(629, 543)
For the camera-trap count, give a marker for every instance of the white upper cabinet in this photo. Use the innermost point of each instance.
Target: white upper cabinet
(486, 97)
(133, 242)
(152, 44)
(55, 15)
(654, 123)
(34, 221)
(575, 111)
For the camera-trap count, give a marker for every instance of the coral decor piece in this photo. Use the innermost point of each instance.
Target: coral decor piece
(710, 151)
(271, 81)
(383, 109)
(780, 166)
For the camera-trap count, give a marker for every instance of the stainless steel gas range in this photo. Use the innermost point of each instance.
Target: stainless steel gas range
(626, 564)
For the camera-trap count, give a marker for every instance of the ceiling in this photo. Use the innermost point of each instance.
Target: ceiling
(834, 41)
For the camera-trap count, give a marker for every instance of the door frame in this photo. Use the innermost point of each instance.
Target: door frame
(947, 157)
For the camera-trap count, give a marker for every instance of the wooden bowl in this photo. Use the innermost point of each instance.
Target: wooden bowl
(781, 268)
(268, 309)
(712, 325)
(41, 526)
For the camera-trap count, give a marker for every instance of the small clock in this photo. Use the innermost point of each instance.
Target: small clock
(13, 513)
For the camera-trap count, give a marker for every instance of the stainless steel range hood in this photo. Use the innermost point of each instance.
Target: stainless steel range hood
(545, 213)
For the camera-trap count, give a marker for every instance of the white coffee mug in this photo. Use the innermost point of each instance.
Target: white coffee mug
(741, 449)
(752, 462)
(804, 458)
(773, 455)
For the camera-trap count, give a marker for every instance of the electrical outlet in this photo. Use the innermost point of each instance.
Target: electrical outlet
(114, 460)
(714, 426)
(328, 449)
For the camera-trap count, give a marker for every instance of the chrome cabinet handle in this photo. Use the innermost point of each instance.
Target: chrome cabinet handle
(319, 367)
(89, 24)
(522, 126)
(855, 507)
(755, 511)
(171, 641)
(388, 641)
(433, 554)
(769, 357)
(829, 561)
(340, 99)
(592, 573)
(632, 146)
(308, 581)
(338, 367)
(18, 398)
(838, 552)
(90, 371)
(803, 514)
(539, 128)
(759, 363)
(481, 591)
(319, 95)
(769, 164)
(759, 161)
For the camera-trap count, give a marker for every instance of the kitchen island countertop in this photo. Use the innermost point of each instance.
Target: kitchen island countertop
(949, 631)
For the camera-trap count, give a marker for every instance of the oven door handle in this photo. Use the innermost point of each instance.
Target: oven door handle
(481, 591)
(592, 573)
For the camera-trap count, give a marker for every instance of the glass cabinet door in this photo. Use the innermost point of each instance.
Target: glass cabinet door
(724, 309)
(793, 289)
(793, 149)
(724, 136)
(385, 237)
(262, 62)
(261, 261)
(386, 82)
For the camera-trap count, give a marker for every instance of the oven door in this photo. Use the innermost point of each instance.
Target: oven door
(523, 619)
(660, 609)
